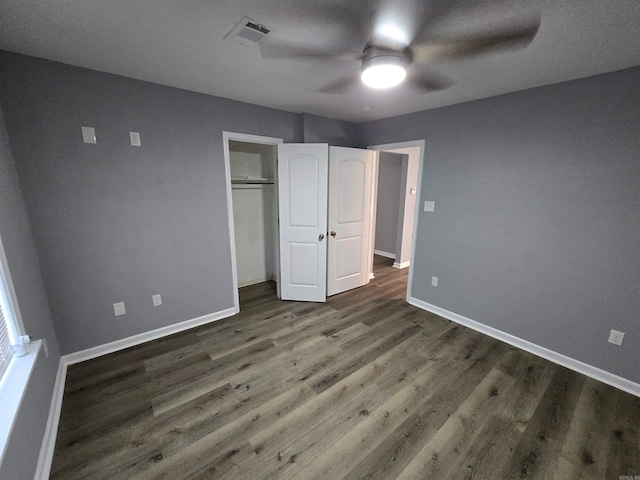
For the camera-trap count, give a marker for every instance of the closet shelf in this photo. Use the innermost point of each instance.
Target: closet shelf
(251, 181)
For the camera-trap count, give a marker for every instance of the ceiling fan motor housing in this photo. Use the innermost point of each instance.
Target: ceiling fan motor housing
(384, 67)
(372, 56)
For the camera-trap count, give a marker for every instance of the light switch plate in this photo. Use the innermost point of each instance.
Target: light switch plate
(135, 139)
(118, 309)
(88, 134)
(429, 206)
(157, 300)
(412, 191)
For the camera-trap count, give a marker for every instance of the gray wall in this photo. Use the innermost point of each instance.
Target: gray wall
(116, 223)
(388, 201)
(537, 217)
(327, 130)
(23, 448)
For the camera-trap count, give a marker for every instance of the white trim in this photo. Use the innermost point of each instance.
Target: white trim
(384, 254)
(13, 315)
(240, 137)
(555, 357)
(13, 386)
(401, 265)
(144, 337)
(49, 441)
(47, 448)
(255, 281)
(396, 146)
(374, 210)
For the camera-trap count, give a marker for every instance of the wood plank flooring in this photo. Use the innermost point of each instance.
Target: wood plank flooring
(364, 386)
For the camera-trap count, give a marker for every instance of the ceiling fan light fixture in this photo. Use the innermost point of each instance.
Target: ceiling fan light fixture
(383, 70)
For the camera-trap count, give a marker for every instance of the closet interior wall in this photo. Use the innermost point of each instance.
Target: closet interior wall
(254, 198)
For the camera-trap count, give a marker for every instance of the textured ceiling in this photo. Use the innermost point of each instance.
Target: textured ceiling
(180, 43)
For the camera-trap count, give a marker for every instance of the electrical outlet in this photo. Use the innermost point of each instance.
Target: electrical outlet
(118, 309)
(429, 206)
(135, 139)
(616, 337)
(88, 134)
(157, 300)
(434, 281)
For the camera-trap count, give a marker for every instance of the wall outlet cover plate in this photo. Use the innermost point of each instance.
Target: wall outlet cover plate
(616, 337)
(88, 134)
(118, 309)
(135, 139)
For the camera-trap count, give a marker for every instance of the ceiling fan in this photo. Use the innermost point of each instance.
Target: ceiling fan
(396, 43)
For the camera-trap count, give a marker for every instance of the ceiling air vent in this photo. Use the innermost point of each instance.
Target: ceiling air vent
(248, 33)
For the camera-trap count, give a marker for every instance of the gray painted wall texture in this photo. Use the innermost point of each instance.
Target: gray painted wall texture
(537, 217)
(327, 130)
(388, 202)
(23, 448)
(535, 229)
(116, 223)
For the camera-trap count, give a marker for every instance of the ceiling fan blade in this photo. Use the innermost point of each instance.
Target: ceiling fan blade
(422, 80)
(317, 31)
(342, 85)
(507, 37)
(272, 50)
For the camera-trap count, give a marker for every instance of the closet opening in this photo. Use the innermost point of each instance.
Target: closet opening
(252, 194)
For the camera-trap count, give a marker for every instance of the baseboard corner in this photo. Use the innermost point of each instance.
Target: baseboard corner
(586, 369)
(47, 448)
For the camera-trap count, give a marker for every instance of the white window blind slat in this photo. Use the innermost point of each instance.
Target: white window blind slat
(6, 352)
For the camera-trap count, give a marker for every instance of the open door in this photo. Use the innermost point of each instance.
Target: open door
(302, 205)
(350, 177)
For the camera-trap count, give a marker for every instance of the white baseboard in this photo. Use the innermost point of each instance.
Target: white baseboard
(384, 254)
(400, 265)
(255, 281)
(555, 357)
(134, 340)
(45, 458)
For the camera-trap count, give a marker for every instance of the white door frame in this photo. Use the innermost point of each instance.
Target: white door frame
(248, 138)
(397, 146)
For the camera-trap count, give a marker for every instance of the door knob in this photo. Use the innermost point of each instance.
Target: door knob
(333, 234)
(321, 237)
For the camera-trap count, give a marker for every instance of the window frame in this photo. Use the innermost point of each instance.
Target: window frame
(15, 379)
(7, 290)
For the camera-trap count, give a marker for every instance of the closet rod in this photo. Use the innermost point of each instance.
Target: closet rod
(249, 181)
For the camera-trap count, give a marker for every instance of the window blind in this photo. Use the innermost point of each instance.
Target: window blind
(6, 352)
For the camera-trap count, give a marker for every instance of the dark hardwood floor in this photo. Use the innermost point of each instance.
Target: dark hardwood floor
(363, 386)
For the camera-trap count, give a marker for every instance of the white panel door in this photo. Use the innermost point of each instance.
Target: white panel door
(350, 171)
(302, 195)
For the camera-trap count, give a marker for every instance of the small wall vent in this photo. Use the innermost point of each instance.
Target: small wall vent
(247, 32)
